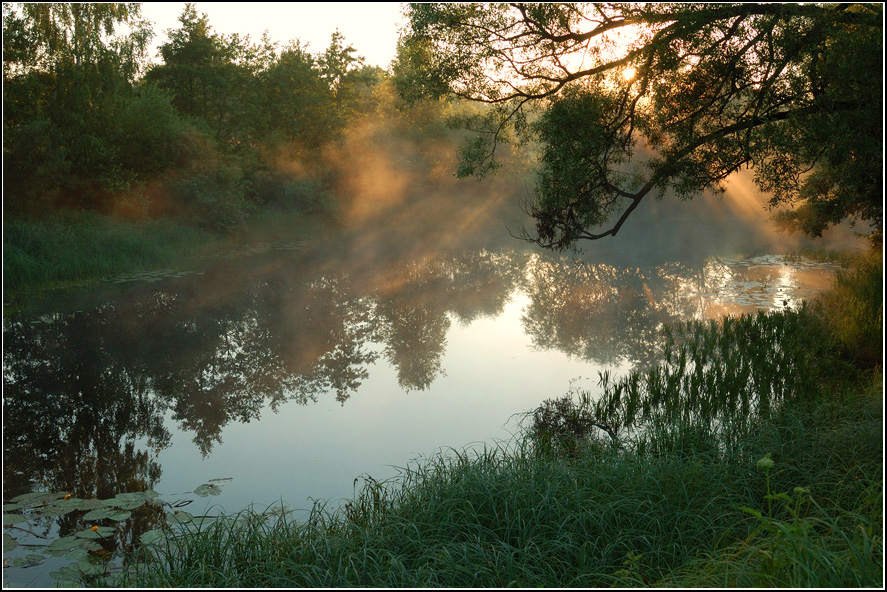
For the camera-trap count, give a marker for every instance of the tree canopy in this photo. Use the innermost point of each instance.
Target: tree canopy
(628, 100)
(90, 123)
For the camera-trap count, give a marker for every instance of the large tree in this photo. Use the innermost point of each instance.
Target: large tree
(628, 100)
(69, 70)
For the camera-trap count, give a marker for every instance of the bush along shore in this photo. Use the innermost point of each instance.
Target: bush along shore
(750, 456)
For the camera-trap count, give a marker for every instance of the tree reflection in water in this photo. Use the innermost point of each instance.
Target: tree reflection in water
(82, 389)
(600, 313)
(87, 393)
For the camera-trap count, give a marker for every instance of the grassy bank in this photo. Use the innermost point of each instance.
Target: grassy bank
(753, 456)
(70, 248)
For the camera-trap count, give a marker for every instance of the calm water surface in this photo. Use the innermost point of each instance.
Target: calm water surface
(285, 372)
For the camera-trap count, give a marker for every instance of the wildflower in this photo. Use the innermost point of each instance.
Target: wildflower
(94, 527)
(67, 496)
(766, 463)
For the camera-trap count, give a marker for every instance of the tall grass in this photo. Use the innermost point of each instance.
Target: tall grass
(854, 308)
(74, 247)
(77, 246)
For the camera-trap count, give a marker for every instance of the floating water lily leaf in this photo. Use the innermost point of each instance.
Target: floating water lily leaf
(153, 536)
(120, 516)
(55, 510)
(208, 489)
(91, 504)
(88, 568)
(12, 507)
(10, 519)
(65, 544)
(36, 497)
(221, 480)
(28, 561)
(71, 502)
(66, 575)
(179, 517)
(98, 533)
(9, 543)
(99, 514)
(77, 554)
(124, 503)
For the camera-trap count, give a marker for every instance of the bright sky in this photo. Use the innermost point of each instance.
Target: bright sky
(370, 27)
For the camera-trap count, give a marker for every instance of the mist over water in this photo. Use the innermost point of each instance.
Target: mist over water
(419, 323)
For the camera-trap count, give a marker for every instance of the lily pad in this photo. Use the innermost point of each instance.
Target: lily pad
(208, 489)
(120, 516)
(77, 554)
(99, 514)
(65, 544)
(91, 504)
(179, 517)
(9, 543)
(12, 507)
(55, 510)
(10, 519)
(124, 504)
(152, 537)
(36, 497)
(99, 533)
(28, 560)
(67, 575)
(87, 567)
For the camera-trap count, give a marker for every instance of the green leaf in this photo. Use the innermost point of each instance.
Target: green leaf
(10, 519)
(99, 533)
(88, 568)
(66, 574)
(28, 561)
(92, 504)
(208, 489)
(9, 543)
(77, 554)
(55, 510)
(99, 514)
(152, 537)
(120, 516)
(65, 543)
(780, 496)
(12, 507)
(751, 511)
(179, 517)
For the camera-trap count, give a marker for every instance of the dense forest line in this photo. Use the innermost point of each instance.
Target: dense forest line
(218, 127)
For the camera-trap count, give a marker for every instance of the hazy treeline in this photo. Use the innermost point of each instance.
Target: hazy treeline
(217, 126)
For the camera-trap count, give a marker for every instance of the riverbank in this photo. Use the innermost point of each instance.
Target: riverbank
(790, 495)
(75, 248)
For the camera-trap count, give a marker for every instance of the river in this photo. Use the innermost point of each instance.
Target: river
(286, 371)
